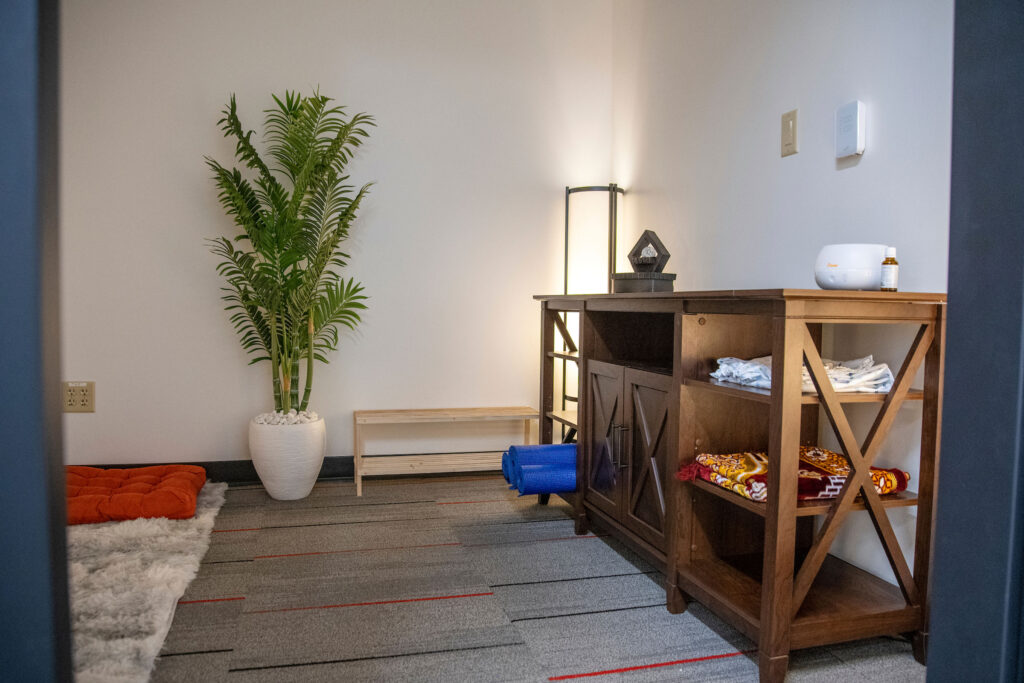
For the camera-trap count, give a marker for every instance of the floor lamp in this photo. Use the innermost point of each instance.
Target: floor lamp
(591, 232)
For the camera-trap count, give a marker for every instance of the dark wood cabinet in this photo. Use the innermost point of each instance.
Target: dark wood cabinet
(603, 442)
(648, 405)
(626, 447)
(648, 402)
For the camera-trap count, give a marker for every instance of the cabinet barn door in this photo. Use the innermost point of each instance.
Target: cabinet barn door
(604, 438)
(647, 474)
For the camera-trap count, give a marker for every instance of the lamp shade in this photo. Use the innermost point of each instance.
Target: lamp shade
(591, 226)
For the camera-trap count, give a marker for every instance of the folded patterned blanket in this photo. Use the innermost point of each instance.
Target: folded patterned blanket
(822, 474)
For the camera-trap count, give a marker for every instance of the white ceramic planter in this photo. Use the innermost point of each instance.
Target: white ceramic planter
(288, 457)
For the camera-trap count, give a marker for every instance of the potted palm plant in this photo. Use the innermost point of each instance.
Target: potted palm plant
(284, 290)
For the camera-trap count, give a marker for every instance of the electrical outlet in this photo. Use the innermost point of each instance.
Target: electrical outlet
(79, 397)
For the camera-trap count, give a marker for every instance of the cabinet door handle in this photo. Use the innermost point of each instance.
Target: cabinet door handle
(616, 445)
(623, 429)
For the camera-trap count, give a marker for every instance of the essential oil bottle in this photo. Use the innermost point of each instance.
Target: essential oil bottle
(890, 271)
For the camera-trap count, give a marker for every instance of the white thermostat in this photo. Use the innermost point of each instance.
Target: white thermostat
(851, 129)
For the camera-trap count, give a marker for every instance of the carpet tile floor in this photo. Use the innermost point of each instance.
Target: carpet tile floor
(452, 579)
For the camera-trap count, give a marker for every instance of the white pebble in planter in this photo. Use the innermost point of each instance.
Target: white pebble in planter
(287, 451)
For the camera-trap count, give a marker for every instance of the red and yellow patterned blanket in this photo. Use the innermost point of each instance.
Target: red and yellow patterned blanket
(822, 474)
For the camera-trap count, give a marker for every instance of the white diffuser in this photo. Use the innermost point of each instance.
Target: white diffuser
(849, 266)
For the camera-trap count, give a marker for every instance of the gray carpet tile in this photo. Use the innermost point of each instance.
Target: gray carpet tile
(549, 560)
(230, 518)
(220, 580)
(206, 666)
(348, 514)
(599, 641)
(531, 600)
(354, 578)
(500, 664)
(499, 512)
(316, 635)
(201, 627)
(543, 602)
(732, 668)
(343, 537)
(442, 556)
(878, 659)
(501, 533)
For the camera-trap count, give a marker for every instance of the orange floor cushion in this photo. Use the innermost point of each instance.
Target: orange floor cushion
(107, 495)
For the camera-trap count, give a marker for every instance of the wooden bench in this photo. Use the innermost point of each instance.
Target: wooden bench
(436, 462)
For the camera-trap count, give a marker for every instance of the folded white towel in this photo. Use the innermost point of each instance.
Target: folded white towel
(859, 374)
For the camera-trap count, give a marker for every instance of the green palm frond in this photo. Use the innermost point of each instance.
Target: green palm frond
(284, 291)
(338, 304)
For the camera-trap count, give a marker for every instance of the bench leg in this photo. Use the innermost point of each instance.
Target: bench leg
(526, 432)
(357, 457)
(543, 498)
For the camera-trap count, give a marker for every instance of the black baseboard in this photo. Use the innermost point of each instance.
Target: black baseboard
(243, 472)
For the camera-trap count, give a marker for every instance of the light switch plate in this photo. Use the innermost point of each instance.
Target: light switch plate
(790, 133)
(789, 145)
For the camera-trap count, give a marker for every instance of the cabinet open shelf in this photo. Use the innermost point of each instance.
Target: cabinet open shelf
(804, 508)
(645, 366)
(765, 395)
(567, 417)
(842, 598)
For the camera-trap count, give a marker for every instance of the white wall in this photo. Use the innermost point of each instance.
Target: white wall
(486, 110)
(699, 89)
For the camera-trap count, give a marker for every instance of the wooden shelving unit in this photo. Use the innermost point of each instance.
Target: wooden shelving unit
(647, 406)
(567, 417)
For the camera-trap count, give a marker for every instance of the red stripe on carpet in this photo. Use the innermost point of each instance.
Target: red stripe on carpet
(645, 666)
(357, 550)
(470, 502)
(228, 531)
(376, 602)
(193, 602)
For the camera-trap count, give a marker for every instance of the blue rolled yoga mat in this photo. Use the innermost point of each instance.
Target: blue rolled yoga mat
(545, 468)
(506, 467)
(533, 479)
(543, 454)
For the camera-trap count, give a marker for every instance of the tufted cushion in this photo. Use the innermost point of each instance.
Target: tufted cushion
(105, 495)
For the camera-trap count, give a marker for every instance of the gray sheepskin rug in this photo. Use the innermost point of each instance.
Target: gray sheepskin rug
(125, 581)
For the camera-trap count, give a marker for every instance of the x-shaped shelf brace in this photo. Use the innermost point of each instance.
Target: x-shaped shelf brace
(650, 440)
(563, 331)
(860, 458)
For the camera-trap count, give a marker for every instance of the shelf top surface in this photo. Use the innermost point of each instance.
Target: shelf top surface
(445, 415)
(783, 294)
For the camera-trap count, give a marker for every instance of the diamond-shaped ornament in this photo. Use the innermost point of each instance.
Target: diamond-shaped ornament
(648, 255)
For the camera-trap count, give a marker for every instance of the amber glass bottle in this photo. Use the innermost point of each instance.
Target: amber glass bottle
(890, 271)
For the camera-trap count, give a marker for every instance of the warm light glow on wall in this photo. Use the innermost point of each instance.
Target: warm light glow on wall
(591, 217)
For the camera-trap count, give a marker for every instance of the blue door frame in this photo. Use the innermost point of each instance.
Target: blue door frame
(34, 625)
(976, 595)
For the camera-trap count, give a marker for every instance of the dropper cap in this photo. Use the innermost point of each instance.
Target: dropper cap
(890, 252)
